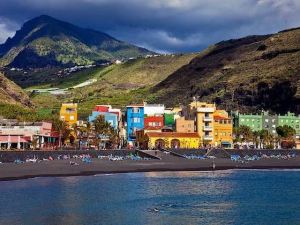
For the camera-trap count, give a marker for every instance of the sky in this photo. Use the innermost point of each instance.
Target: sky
(165, 26)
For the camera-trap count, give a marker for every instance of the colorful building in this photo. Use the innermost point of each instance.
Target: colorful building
(222, 129)
(68, 113)
(290, 119)
(204, 122)
(155, 121)
(172, 140)
(184, 126)
(135, 121)
(265, 121)
(23, 135)
(213, 126)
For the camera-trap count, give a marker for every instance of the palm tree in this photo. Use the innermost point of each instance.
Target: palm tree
(63, 130)
(103, 129)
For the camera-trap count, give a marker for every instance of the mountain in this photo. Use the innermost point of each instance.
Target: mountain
(10, 93)
(45, 41)
(247, 74)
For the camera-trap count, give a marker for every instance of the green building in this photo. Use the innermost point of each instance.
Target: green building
(265, 121)
(291, 120)
(254, 121)
(169, 119)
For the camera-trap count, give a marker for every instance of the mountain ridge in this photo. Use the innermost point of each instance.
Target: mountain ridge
(247, 74)
(50, 41)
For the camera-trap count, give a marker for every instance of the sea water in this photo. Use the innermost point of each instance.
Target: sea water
(221, 197)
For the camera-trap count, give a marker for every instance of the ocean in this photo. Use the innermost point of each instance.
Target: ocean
(154, 198)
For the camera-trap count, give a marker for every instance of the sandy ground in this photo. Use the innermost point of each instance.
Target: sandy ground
(11, 171)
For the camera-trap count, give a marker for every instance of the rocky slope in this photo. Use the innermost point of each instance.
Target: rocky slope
(10, 93)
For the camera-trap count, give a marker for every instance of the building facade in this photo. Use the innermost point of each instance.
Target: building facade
(135, 121)
(68, 113)
(214, 126)
(157, 140)
(24, 135)
(184, 126)
(266, 121)
(204, 122)
(222, 129)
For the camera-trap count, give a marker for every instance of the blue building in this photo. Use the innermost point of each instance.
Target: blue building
(111, 118)
(135, 121)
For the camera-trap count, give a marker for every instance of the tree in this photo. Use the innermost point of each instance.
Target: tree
(243, 133)
(103, 129)
(63, 130)
(285, 131)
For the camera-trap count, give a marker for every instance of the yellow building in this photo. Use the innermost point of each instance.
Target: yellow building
(172, 140)
(204, 121)
(213, 126)
(68, 113)
(222, 129)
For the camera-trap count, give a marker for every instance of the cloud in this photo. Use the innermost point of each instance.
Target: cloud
(162, 25)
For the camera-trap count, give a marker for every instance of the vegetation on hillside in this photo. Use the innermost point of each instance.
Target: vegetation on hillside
(10, 93)
(248, 74)
(118, 85)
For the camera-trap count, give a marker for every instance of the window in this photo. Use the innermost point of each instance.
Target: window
(136, 120)
(135, 110)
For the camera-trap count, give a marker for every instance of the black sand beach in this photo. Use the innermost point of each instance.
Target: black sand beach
(11, 171)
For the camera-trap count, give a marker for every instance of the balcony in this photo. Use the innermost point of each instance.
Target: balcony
(205, 109)
(208, 138)
(207, 128)
(207, 119)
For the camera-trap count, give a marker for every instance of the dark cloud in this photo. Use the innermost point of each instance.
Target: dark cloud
(160, 25)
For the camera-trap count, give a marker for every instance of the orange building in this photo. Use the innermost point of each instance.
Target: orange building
(184, 126)
(223, 129)
(213, 126)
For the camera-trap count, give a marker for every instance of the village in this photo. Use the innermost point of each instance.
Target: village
(199, 125)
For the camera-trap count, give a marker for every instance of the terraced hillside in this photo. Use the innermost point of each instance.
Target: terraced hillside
(118, 85)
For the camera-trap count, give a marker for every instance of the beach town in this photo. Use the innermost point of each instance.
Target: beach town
(147, 137)
(153, 126)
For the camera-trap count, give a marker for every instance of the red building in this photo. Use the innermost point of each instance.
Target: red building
(156, 121)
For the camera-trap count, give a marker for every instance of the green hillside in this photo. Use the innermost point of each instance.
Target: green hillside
(118, 85)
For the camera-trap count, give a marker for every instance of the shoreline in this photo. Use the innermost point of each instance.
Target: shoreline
(62, 168)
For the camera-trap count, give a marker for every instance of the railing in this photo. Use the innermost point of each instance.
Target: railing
(208, 138)
(207, 119)
(207, 128)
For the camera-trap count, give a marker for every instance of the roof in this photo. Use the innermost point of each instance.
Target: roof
(135, 105)
(173, 134)
(221, 118)
(12, 139)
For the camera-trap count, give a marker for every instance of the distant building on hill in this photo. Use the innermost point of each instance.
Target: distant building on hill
(68, 113)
